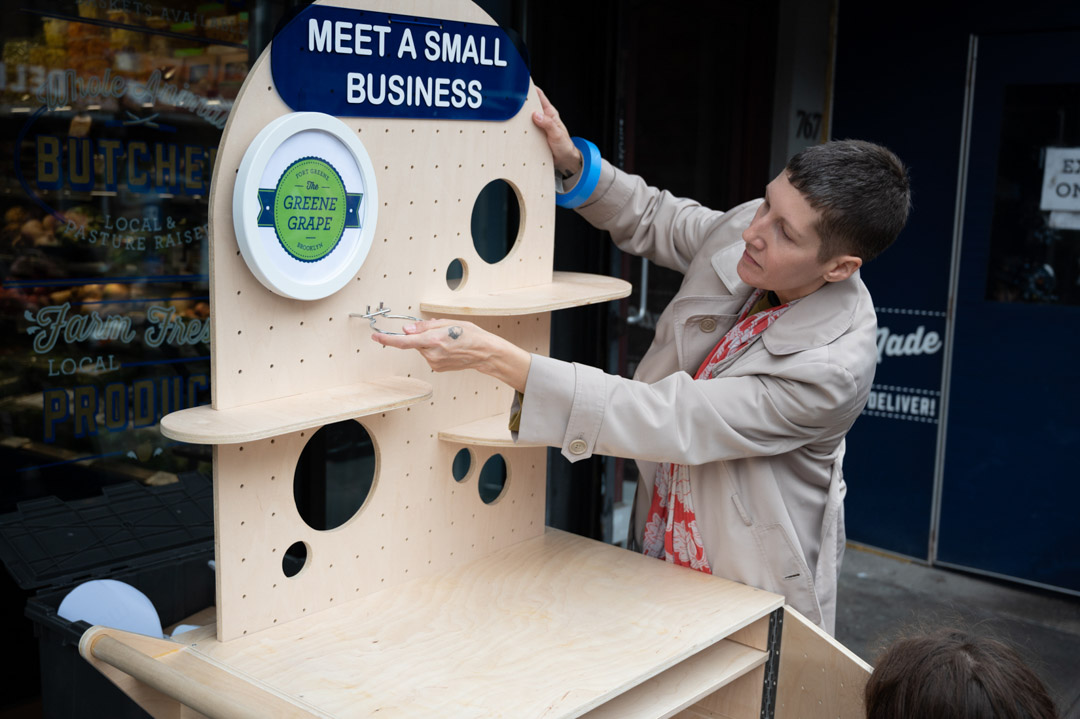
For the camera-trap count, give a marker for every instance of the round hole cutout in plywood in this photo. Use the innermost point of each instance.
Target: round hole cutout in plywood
(295, 559)
(457, 273)
(493, 477)
(462, 465)
(334, 475)
(496, 220)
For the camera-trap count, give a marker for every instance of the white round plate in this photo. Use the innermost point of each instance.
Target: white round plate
(291, 241)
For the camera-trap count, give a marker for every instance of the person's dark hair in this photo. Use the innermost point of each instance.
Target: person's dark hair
(950, 674)
(860, 189)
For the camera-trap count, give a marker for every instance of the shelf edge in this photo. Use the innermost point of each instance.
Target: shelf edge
(206, 425)
(481, 305)
(478, 433)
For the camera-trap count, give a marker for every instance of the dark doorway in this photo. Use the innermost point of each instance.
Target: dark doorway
(1009, 492)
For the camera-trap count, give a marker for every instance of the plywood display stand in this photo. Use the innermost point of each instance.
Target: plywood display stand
(429, 601)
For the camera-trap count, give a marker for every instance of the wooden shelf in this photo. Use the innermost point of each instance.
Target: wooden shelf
(683, 684)
(567, 289)
(205, 425)
(486, 432)
(557, 626)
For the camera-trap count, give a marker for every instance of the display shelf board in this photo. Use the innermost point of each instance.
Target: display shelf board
(683, 684)
(566, 289)
(555, 626)
(742, 698)
(272, 418)
(487, 432)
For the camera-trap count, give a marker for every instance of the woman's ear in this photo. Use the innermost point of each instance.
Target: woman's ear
(842, 267)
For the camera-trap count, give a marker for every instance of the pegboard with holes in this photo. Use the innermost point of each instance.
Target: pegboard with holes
(277, 359)
(415, 518)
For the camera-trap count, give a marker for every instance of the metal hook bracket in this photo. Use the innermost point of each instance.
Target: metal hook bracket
(384, 312)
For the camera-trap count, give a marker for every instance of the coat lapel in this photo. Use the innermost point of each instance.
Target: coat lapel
(817, 319)
(814, 321)
(725, 263)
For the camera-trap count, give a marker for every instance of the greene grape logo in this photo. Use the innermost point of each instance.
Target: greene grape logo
(309, 209)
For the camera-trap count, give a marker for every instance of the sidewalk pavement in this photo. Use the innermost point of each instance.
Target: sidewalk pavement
(881, 595)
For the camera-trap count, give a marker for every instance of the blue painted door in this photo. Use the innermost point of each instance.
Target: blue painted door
(1010, 492)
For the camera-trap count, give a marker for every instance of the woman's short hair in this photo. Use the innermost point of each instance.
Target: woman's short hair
(952, 674)
(860, 189)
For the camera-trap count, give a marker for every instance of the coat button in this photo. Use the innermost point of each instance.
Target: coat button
(578, 446)
(708, 324)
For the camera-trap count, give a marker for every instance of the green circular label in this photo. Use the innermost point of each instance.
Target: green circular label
(310, 209)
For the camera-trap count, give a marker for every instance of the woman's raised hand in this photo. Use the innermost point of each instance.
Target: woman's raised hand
(567, 158)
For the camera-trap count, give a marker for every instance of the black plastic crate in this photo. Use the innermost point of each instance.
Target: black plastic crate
(157, 539)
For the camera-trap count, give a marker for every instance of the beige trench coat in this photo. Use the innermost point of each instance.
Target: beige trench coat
(764, 439)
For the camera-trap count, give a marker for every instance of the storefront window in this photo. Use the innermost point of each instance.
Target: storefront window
(1035, 240)
(112, 111)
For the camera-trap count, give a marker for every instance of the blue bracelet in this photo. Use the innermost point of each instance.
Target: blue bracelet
(589, 179)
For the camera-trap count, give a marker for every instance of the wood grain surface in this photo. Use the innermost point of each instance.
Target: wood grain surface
(551, 627)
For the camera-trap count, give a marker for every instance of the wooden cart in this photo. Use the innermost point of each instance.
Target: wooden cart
(431, 601)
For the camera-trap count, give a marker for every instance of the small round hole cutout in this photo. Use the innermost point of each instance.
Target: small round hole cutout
(496, 220)
(457, 272)
(462, 464)
(295, 559)
(493, 477)
(334, 475)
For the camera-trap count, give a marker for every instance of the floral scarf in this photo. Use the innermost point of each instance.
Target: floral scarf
(671, 532)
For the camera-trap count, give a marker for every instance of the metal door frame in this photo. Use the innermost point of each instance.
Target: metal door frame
(950, 308)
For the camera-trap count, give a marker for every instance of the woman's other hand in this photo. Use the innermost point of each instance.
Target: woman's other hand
(567, 158)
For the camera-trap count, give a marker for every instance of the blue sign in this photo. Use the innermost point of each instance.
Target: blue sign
(892, 449)
(356, 63)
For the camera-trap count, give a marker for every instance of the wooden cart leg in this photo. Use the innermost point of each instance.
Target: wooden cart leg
(818, 676)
